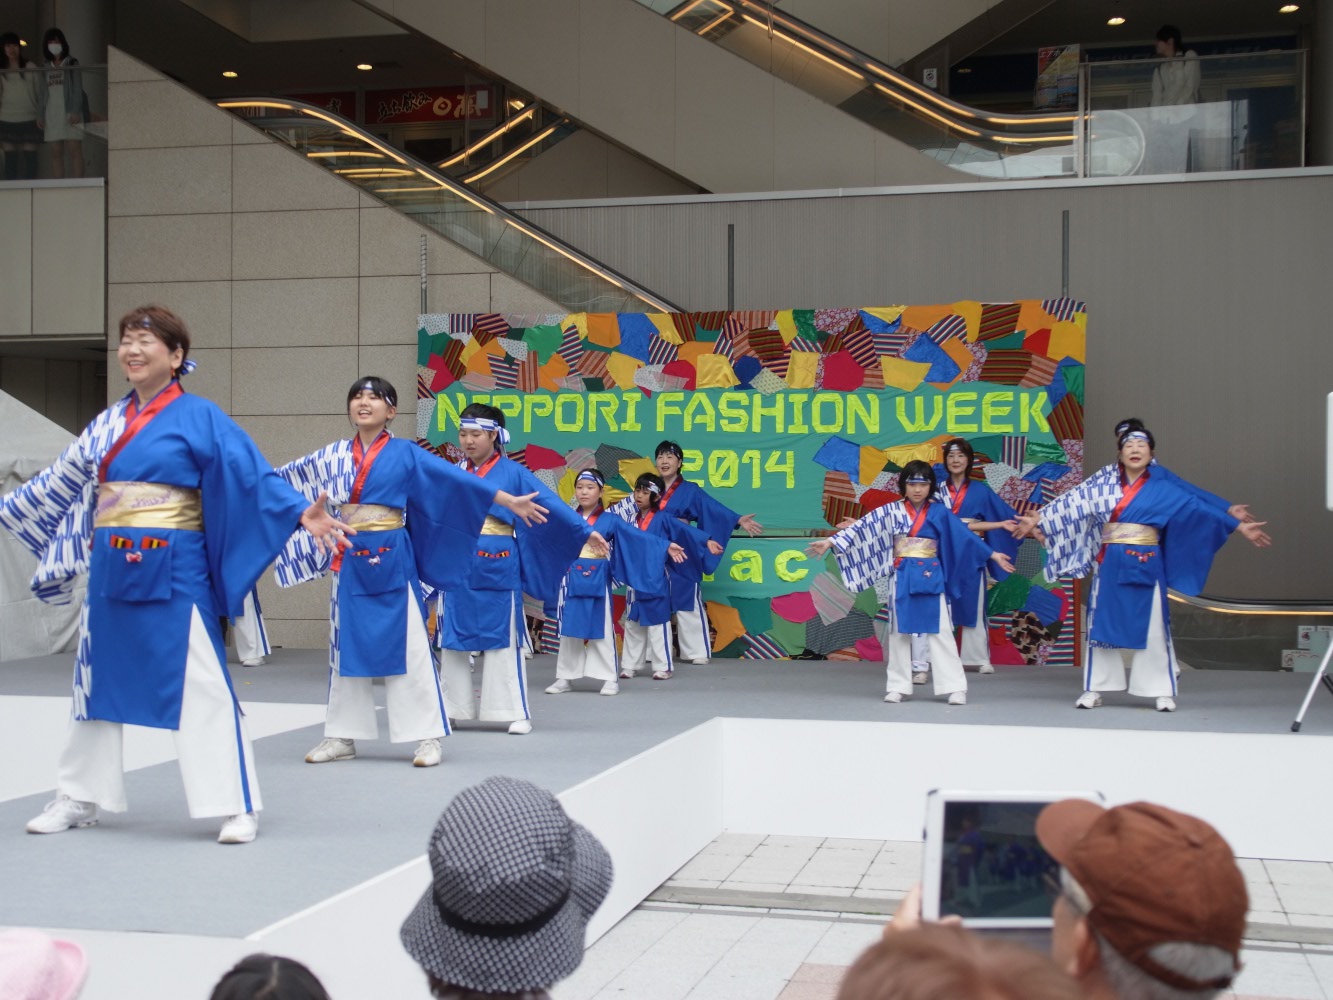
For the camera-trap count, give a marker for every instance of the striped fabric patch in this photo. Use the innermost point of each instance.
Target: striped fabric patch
(593, 364)
(461, 322)
(998, 319)
(801, 344)
(571, 346)
(1012, 450)
(520, 456)
(571, 383)
(874, 376)
(529, 372)
(723, 345)
(832, 600)
(479, 383)
(861, 345)
(755, 319)
(710, 320)
(892, 342)
(423, 386)
(1066, 419)
(766, 345)
(761, 647)
(1019, 368)
(949, 328)
(779, 365)
(684, 324)
(1062, 309)
(488, 326)
(662, 352)
(504, 371)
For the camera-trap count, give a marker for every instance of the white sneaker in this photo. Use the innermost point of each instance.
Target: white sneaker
(428, 753)
(893, 697)
(958, 698)
(986, 668)
(559, 687)
(331, 749)
(520, 728)
(610, 687)
(239, 829)
(701, 661)
(255, 661)
(920, 676)
(63, 814)
(1088, 699)
(662, 675)
(626, 674)
(1166, 704)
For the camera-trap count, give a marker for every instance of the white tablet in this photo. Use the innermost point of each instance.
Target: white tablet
(982, 859)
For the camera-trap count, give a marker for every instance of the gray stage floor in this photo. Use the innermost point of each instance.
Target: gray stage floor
(330, 827)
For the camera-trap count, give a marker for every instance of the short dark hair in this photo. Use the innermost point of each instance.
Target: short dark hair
(917, 468)
(1140, 429)
(671, 448)
(381, 387)
(651, 478)
(164, 324)
(1170, 33)
(958, 444)
(1128, 424)
(483, 410)
(269, 977)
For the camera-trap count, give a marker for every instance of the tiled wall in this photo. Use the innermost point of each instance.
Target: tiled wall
(292, 281)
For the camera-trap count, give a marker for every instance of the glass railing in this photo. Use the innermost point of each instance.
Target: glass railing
(449, 207)
(973, 140)
(1194, 113)
(58, 128)
(529, 132)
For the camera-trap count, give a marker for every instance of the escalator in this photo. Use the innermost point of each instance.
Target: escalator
(429, 195)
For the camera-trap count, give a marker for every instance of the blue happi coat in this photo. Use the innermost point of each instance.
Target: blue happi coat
(1130, 577)
(482, 612)
(980, 503)
(656, 606)
(638, 560)
(380, 570)
(865, 555)
(137, 614)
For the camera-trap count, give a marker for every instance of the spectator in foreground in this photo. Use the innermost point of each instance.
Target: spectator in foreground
(1151, 906)
(514, 882)
(34, 966)
(943, 962)
(268, 977)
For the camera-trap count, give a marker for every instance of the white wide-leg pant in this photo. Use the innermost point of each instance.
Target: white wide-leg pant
(946, 666)
(1152, 670)
(414, 700)
(651, 643)
(692, 630)
(975, 651)
(213, 748)
(593, 658)
(251, 636)
(504, 682)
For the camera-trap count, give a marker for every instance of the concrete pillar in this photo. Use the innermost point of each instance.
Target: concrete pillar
(1319, 111)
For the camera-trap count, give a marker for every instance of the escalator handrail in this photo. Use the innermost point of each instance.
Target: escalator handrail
(457, 188)
(1229, 605)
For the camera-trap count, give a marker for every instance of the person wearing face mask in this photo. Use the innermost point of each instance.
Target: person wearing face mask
(22, 100)
(931, 560)
(1136, 535)
(418, 519)
(63, 110)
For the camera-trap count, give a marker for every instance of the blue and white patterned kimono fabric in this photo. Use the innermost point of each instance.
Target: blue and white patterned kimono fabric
(638, 560)
(865, 555)
(1190, 533)
(980, 503)
(443, 511)
(136, 618)
(487, 609)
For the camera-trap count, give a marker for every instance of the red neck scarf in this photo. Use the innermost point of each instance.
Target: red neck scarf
(1130, 491)
(918, 519)
(485, 466)
(364, 460)
(646, 518)
(958, 493)
(136, 420)
(670, 490)
(596, 513)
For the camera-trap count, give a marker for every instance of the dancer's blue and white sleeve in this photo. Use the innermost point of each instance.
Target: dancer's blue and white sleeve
(1072, 524)
(865, 549)
(332, 470)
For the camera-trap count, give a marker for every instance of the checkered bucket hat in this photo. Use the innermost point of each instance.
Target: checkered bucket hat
(513, 884)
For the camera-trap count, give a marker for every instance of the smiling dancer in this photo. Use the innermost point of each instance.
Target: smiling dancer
(931, 560)
(509, 559)
(173, 513)
(419, 518)
(1136, 535)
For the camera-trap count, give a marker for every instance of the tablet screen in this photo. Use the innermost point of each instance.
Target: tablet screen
(992, 866)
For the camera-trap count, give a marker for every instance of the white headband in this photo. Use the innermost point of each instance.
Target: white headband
(1132, 435)
(651, 487)
(588, 476)
(485, 424)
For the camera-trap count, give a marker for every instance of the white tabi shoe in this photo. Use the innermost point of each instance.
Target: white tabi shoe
(958, 698)
(1166, 704)
(920, 676)
(700, 661)
(986, 668)
(1089, 699)
(428, 753)
(331, 749)
(63, 814)
(893, 697)
(609, 688)
(240, 829)
(559, 687)
(254, 661)
(520, 728)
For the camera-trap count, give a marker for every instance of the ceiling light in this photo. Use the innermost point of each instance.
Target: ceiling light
(1116, 21)
(1289, 8)
(364, 66)
(963, 69)
(516, 104)
(230, 74)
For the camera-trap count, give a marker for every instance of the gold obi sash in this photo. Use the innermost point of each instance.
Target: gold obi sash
(588, 552)
(905, 547)
(1120, 533)
(371, 517)
(148, 505)
(494, 526)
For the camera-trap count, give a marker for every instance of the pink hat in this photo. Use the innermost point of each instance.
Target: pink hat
(34, 966)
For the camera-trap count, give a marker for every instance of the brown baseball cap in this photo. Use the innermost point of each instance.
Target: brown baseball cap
(1153, 876)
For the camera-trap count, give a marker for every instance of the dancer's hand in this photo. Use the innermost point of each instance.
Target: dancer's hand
(716, 548)
(1026, 525)
(1253, 530)
(676, 553)
(750, 526)
(1241, 512)
(1003, 561)
(599, 544)
(326, 529)
(846, 522)
(819, 547)
(525, 507)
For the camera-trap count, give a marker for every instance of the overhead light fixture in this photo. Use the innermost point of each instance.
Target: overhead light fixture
(230, 74)
(1116, 21)
(516, 104)
(964, 69)
(1289, 8)
(364, 66)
